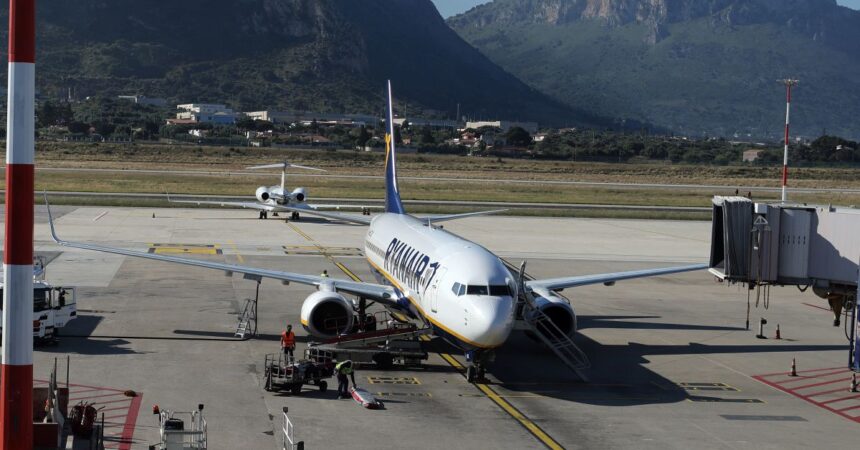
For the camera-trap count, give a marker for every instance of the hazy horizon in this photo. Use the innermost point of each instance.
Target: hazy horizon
(448, 8)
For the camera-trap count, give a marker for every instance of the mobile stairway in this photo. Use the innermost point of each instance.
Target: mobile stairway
(532, 320)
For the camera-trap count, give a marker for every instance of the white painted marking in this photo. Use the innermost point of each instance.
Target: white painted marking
(18, 320)
(20, 123)
(104, 213)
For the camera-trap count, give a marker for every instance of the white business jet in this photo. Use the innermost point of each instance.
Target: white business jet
(459, 289)
(275, 199)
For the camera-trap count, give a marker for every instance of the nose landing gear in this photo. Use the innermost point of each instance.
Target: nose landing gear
(476, 369)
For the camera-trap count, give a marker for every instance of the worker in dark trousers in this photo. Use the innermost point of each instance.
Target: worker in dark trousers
(288, 343)
(343, 369)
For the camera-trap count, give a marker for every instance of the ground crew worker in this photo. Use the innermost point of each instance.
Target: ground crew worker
(288, 342)
(324, 274)
(343, 369)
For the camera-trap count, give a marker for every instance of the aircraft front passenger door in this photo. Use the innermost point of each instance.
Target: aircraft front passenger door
(434, 289)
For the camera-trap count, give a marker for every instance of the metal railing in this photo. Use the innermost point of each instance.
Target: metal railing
(288, 433)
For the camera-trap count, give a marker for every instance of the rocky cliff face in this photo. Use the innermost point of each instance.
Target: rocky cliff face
(328, 55)
(694, 66)
(813, 17)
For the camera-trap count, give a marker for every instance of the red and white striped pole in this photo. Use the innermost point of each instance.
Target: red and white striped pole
(789, 83)
(16, 380)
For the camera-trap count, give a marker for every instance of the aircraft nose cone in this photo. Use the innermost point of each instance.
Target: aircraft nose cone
(492, 319)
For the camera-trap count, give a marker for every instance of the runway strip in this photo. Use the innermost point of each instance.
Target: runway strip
(460, 180)
(489, 392)
(377, 202)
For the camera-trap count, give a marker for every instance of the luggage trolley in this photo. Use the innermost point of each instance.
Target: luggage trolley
(290, 375)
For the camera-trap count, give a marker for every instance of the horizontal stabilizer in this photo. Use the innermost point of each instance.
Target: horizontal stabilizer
(284, 166)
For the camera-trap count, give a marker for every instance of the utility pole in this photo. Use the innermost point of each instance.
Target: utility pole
(789, 83)
(16, 379)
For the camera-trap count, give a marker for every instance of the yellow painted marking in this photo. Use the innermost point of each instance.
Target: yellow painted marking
(236, 250)
(393, 380)
(184, 251)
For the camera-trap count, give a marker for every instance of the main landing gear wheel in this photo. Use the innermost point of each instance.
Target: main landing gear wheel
(295, 216)
(471, 373)
(264, 215)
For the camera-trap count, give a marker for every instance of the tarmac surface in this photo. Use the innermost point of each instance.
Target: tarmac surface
(673, 365)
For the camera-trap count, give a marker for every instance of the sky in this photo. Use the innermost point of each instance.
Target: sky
(449, 8)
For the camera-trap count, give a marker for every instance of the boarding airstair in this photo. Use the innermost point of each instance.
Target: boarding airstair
(248, 318)
(543, 328)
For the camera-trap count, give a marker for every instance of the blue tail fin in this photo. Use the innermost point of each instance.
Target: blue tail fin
(392, 192)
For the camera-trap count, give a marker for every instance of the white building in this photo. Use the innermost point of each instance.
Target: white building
(505, 125)
(206, 113)
(306, 117)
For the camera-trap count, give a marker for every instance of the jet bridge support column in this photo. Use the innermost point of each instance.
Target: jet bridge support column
(855, 331)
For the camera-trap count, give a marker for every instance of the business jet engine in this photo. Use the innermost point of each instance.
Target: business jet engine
(327, 314)
(559, 311)
(299, 194)
(263, 194)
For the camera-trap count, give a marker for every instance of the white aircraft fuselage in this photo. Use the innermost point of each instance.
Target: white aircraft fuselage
(456, 286)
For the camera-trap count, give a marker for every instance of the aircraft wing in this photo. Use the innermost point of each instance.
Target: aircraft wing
(559, 284)
(379, 293)
(360, 220)
(343, 207)
(445, 218)
(246, 205)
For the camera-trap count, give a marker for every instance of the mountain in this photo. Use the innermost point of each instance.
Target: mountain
(692, 66)
(323, 55)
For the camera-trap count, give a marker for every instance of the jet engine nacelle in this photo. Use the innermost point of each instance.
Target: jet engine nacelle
(263, 194)
(299, 194)
(558, 310)
(327, 314)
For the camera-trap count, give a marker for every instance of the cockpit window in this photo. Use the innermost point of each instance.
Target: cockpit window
(456, 289)
(477, 290)
(502, 290)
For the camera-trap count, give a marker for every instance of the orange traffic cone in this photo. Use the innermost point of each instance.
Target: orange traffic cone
(793, 367)
(778, 335)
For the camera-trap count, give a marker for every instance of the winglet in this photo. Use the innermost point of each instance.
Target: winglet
(392, 191)
(51, 221)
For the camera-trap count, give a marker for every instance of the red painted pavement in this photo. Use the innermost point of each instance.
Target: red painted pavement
(827, 389)
(120, 411)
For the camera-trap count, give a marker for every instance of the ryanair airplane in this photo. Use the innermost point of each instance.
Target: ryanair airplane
(459, 289)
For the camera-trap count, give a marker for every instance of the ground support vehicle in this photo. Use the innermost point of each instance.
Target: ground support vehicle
(282, 373)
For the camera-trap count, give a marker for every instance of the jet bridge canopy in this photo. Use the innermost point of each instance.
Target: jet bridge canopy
(785, 244)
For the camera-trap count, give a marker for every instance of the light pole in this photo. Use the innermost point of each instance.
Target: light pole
(789, 83)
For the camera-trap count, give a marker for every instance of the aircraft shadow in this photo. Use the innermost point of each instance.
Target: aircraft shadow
(228, 336)
(618, 376)
(586, 322)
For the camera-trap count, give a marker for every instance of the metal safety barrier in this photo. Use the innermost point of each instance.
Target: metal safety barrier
(288, 433)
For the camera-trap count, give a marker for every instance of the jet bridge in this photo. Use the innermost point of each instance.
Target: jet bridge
(785, 244)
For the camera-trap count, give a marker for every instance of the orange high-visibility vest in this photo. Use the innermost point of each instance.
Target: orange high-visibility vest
(288, 339)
